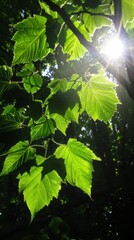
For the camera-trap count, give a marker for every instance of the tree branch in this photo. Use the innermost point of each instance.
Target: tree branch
(125, 38)
(111, 17)
(91, 49)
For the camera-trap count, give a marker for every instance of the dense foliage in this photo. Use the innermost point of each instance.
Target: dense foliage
(59, 111)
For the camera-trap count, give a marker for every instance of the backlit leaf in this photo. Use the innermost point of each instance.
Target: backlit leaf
(127, 11)
(72, 45)
(94, 22)
(72, 114)
(39, 192)
(78, 162)
(98, 98)
(32, 83)
(17, 155)
(30, 40)
(42, 129)
(61, 122)
(47, 10)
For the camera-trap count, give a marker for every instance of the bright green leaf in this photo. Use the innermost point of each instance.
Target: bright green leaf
(72, 45)
(42, 129)
(17, 155)
(72, 114)
(78, 163)
(61, 122)
(127, 11)
(94, 22)
(47, 10)
(30, 40)
(32, 83)
(98, 98)
(39, 159)
(39, 192)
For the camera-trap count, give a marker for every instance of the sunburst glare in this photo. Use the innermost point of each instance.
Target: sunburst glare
(114, 48)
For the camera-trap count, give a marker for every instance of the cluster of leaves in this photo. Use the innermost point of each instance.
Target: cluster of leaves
(52, 105)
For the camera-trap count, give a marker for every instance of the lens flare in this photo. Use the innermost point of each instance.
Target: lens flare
(114, 48)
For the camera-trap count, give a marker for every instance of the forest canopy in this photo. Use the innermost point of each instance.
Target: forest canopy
(66, 115)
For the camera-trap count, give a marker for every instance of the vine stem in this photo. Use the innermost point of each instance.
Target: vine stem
(37, 145)
(59, 144)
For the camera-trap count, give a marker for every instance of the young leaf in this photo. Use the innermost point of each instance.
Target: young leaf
(78, 163)
(39, 192)
(98, 98)
(39, 159)
(72, 45)
(17, 155)
(30, 40)
(43, 128)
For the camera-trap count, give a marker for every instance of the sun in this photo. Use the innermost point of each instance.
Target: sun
(114, 48)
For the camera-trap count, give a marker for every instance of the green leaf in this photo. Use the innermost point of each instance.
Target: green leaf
(127, 11)
(61, 101)
(72, 114)
(8, 123)
(58, 84)
(39, 192)
(72, 45)
(32, 83)
(74, 82)
(78, 163)
(98, 98)
(30, 40)
(8, 109)
(61, 122)
(27, 70)
(94, 22)
(17, 155)
(42, 129)
(47, 10)
(5, 77)
(39, 159)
